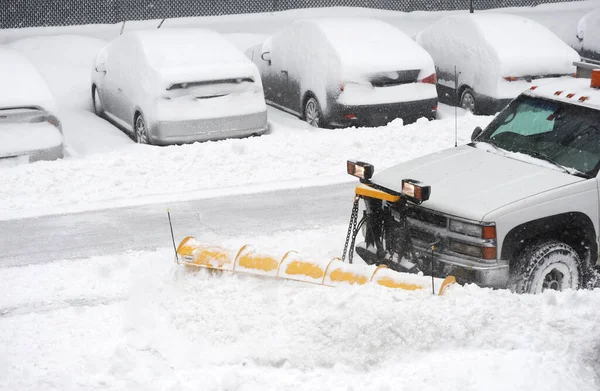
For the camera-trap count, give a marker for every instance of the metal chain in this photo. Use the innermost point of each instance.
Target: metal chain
(351, 229)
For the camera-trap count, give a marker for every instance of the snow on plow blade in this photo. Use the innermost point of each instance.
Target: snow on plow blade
(291, 266)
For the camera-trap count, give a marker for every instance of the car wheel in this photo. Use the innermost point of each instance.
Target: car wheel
(550, 265)
(98, 109)
(141, 130)
(312, 112)
(467, 100)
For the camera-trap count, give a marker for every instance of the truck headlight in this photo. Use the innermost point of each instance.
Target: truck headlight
(360, 170)
(415, 191)
(474, 230)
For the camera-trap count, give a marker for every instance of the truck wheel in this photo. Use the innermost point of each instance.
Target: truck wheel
(548, 265)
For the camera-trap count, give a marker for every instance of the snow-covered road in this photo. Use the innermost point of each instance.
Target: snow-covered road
(46, 239)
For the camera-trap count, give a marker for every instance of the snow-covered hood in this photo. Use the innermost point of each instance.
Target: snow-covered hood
(470, 182)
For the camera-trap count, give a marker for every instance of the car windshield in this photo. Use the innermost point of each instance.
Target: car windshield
(565, 135)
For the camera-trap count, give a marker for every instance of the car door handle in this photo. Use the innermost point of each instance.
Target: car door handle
(120, 90)
(284, 72)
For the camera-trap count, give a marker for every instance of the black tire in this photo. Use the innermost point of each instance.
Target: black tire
(98, 110)
(467, 100)
(546, 265)
(140, 129)
(313, 114)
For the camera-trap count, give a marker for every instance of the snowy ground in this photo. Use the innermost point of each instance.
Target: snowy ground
(136, 321)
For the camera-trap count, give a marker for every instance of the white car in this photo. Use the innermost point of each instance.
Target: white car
(29, 128)
(484, 60)
(173, 86)
(346, 72)
(517, 207)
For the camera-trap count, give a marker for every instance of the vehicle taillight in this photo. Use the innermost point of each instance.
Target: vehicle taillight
(52, 120)
(511, 78)
(342, 87)
(349, 116)
(431, 79)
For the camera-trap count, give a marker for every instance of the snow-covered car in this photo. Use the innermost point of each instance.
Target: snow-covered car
(484, 60)
(29, 129)
(588, 34)
(174, 86)
(517, 207)
(346, 72)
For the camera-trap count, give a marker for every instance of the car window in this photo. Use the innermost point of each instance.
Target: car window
(564, 134)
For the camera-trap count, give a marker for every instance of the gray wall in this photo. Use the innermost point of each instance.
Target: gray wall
(32, 13)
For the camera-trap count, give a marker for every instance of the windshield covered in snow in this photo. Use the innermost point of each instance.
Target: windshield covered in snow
(564, 135)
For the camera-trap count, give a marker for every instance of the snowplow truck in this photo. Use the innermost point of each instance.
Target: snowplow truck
(517, 207)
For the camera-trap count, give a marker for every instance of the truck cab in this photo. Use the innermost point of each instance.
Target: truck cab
(516, 208)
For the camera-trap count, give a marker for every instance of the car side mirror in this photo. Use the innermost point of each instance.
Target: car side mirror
(476, 133)
(101, 68)
(266, 56)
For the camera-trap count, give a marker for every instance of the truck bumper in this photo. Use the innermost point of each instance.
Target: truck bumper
(492, 275)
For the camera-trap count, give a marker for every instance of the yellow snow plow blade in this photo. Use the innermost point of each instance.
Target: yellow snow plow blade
(291, 266)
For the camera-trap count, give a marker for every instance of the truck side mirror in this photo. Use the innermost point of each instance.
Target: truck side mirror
(476, 133)
(266, 56)
(101, 68)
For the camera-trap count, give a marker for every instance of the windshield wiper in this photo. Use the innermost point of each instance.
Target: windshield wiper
(541, 156)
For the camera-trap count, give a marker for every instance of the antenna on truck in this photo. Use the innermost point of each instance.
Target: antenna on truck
(456, 108)
(123, 27)
(161, 23)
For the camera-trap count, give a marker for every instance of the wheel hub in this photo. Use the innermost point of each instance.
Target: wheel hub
(553, 280)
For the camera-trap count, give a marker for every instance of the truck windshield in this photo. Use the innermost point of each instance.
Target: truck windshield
(564, 134)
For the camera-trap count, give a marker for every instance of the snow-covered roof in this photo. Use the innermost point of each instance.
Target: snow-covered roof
(173, 48)
(370, 45)
(21, 83)
(578, 87)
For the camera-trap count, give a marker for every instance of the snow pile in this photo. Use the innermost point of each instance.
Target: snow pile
(136, 321)
(139, 174)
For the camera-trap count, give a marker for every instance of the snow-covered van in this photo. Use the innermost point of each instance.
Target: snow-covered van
(518, 207)
(346, 72)
(484, 60)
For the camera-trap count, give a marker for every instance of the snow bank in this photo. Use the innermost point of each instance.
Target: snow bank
(137, 174)
(21, 83)
(136, 321)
